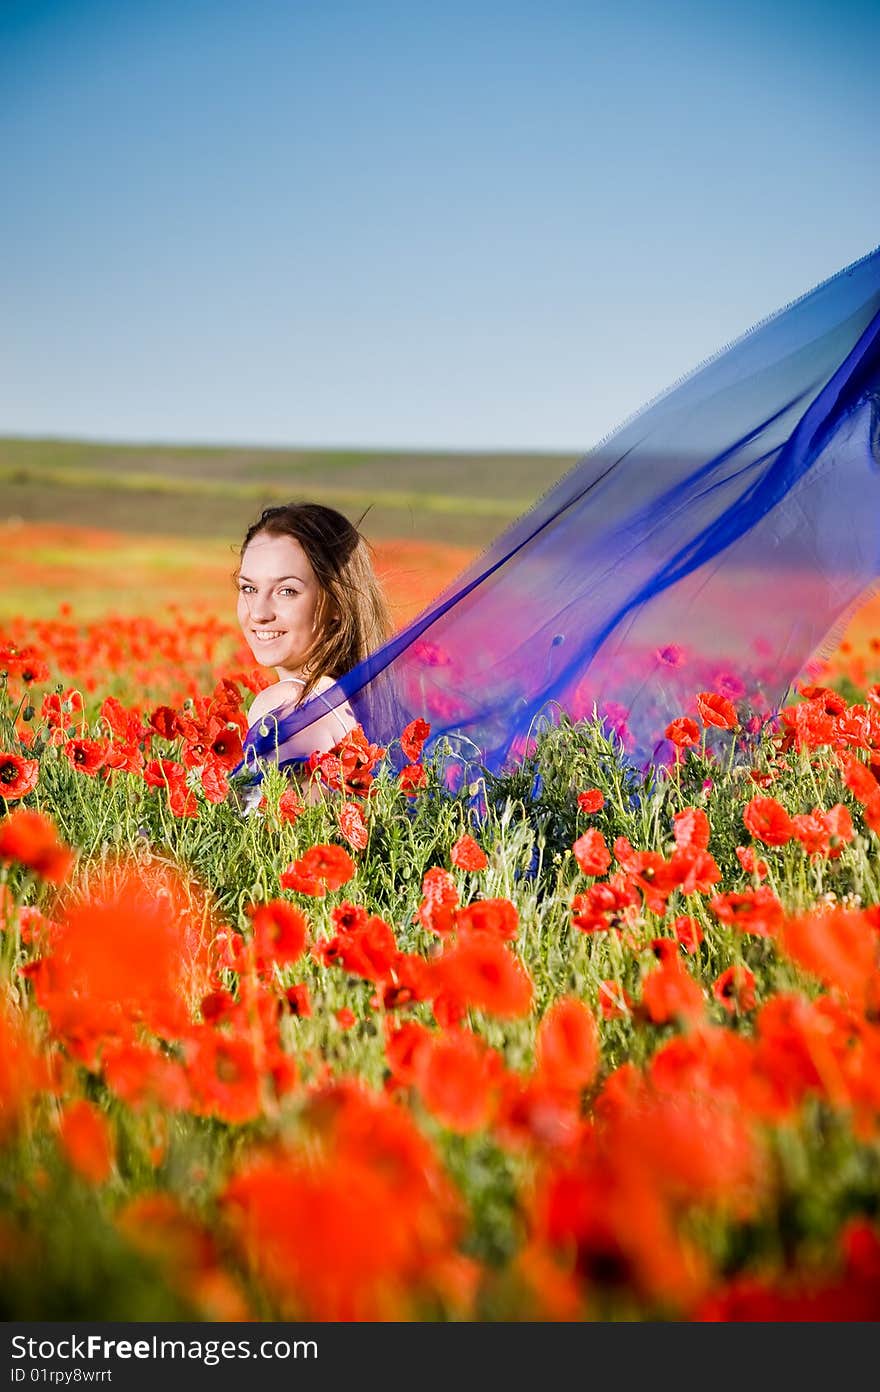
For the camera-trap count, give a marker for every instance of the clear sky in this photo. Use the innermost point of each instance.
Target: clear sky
(398, 223)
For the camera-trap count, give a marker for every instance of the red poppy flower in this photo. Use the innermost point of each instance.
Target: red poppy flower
(36, 670)
(402, 1046)
(591, 853)
(166, 722)
(497, 917)
(671, 993)
(368, 950)
(294, 878)
(654, 876)
(25, 662)
(34, 927)
(24, 1073)
(768, 821)
(223, 1075)
(298, 1000)
(327, 865)
(590, 801)
(357, 1223)
(839, 825)
(688, 933)
(330, 863)
(413, 738)
(408, 981)
(695, 872)
(230, 949)
(604, 906)
(690, 828)
(411, 778)
(614, 1001)
(217, 1006)
(755, 911)
(279, 932)
(859, 779)
(567, 1045)
(735, 989)
(710, 1061)
(30, 838)
(684, 732)
(466, 854)
(345, 1017)
(86, 1140)
(224, 743)
(717, 710)
(839, 946)
(182, 801)
(829, 700)
(86, 755)
(347, 917)
(439, 901)
(18, 776)
(349, 765)
(809, 724)
(125, 957)
(125, 756)
(481, 972)
(164, 773)
(534, 1113)
(665, 949)
(812, 833)
(124, 724)
(329, 769)
(609, 1220)
(458, 1078)
(289, 806)
(750, 862)
(55, 708)
(215, 784)
(353, 826)
(449, 1011)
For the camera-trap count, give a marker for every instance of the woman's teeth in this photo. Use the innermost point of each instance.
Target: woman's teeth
(268, 636)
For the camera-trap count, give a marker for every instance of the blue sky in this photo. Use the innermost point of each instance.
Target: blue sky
(357, 222)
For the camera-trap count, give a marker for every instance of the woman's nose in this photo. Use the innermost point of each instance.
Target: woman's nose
(262, 607)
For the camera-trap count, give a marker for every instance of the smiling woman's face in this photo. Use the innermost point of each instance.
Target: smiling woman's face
(277, 602)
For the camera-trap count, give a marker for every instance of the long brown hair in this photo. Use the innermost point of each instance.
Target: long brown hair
(352, 616)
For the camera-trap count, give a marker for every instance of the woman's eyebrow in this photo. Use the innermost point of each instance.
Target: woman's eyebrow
(276, 581)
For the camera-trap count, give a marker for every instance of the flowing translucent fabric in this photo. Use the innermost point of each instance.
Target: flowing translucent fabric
(711, 543)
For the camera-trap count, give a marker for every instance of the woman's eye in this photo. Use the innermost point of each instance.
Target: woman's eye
(287, 590)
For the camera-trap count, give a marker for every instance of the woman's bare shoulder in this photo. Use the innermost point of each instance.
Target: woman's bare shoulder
(323, 683)
(280, 693)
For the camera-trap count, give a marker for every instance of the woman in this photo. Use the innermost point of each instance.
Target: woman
(311, 607)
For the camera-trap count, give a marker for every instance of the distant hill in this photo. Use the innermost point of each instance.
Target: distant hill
(214, 491)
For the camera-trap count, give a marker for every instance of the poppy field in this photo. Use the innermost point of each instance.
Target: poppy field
(610, 1050)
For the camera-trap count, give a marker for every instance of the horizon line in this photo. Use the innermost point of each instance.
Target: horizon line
(134, 442)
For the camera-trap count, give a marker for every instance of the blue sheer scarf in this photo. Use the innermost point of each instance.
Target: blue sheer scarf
(711, 543)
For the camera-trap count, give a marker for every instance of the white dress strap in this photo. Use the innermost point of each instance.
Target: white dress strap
(334, 711)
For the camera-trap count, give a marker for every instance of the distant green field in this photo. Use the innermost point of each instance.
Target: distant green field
(464, 499)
